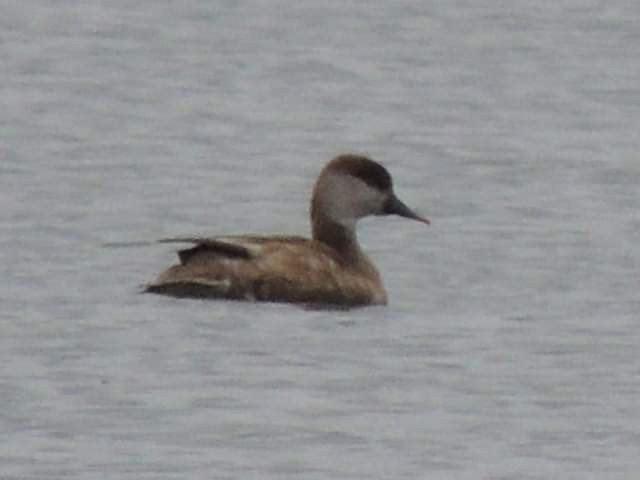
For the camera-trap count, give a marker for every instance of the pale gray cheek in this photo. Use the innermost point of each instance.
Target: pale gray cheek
(348, 223)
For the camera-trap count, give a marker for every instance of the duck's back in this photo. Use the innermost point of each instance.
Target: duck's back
(273, 269)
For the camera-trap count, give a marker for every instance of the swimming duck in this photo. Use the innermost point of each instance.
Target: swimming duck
(329, 269)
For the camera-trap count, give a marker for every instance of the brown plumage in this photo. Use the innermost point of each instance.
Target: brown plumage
(328, 269)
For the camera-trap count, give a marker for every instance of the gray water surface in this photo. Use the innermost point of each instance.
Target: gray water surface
(510, 345)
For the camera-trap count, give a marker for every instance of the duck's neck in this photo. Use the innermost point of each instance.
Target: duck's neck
(340, 237)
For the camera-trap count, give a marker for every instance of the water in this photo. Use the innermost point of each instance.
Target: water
(509, 348)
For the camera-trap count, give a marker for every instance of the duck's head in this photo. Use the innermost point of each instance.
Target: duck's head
(351, 187)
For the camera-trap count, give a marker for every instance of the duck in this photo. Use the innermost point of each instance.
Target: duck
(328, 269)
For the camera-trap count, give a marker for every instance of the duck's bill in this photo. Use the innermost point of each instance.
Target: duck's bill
(394, 206)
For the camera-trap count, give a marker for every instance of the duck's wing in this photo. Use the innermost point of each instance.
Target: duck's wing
(224, 247)
(206, 269)
(231, 247)
(275, 269)
(226, 267)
